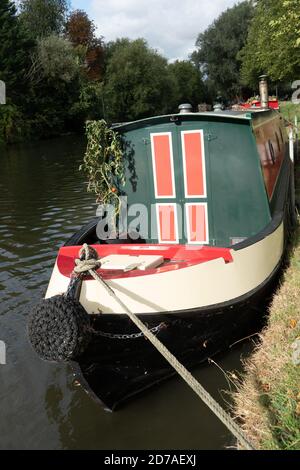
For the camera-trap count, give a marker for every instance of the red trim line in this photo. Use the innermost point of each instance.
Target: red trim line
(176, 257)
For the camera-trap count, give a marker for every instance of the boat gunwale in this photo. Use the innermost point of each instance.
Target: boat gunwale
(227, 117)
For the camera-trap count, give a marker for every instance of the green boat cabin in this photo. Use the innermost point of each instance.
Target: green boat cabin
(213, 177)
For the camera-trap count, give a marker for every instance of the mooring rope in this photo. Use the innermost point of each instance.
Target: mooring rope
(84, 265)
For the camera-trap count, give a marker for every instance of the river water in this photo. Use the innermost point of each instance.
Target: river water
(43, 200)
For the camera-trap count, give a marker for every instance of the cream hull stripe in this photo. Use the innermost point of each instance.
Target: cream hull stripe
(198, 286)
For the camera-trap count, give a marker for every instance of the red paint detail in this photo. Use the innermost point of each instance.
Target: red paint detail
(273, 104)
(167, 223)
(163, 165)
(194, 164)
(176, 257)
(198, 223)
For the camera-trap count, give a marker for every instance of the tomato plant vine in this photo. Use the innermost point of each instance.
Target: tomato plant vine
(103, 163)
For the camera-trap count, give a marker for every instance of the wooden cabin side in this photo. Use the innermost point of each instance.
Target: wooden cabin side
(203, 167)
(272, 144)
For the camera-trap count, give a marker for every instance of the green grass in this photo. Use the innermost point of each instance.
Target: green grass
(283, 405)
(289, 110)
(268, 399)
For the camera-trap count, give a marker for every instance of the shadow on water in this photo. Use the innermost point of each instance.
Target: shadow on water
(167, 417)
(42, 202)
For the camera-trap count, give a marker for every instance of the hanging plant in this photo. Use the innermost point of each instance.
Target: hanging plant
(103, 163)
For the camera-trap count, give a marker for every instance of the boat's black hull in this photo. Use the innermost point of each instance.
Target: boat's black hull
(113, 370)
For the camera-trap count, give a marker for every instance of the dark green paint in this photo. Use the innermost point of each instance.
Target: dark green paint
(238, 205)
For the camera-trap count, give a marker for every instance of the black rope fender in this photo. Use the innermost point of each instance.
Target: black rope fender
(59, 328)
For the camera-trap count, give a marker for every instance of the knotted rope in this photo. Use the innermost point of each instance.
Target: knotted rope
(84, 265)
(88, 260)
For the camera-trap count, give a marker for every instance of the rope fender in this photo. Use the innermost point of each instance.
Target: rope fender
(59, 329)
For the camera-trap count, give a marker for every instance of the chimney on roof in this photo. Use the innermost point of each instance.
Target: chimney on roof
(264, 92)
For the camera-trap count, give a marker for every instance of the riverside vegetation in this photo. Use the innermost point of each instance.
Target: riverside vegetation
(268, 399)
(60, 72)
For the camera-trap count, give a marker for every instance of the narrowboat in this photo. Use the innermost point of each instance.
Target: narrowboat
(213, 196)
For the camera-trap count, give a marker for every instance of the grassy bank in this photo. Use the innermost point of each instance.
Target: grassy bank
(289, 110)
(268, 399)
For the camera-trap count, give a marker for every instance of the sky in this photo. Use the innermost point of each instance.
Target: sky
(169, 26)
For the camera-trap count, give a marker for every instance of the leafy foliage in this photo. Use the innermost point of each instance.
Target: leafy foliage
(54, 59)
(14, 62)
(80, 30)
(55, 78)
(189, 87)
(14, 47)
(273, 44)
(12, 125)
(59, 73)
(88, 105)
(103, 163)
(289, 111)
(218, 47)
(44, 17)
(138, 82)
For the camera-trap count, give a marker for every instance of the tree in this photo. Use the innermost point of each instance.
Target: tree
(54, 59)
(189, 86)
(44, 17)
(55, 76)
(218, 48)
(80, 30)
(273, 43)
(52, 86)
(14, 47)
(14, 61)
(138, 82)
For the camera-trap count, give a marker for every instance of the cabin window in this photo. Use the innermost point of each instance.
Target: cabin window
(272, 152)
(277, 141)
(271, 161)
(281, 135)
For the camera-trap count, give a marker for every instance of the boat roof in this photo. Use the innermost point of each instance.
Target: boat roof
(226, 115)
